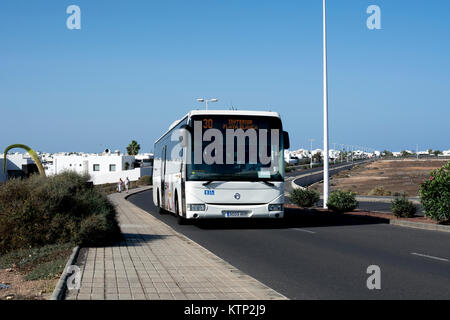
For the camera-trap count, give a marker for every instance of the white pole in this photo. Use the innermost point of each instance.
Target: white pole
(206, 104)
(325, 110)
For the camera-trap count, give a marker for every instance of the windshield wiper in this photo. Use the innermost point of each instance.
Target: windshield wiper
(208, 183)
(270, 184)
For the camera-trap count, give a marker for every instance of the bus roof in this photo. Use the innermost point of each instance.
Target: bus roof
(221, 113)
(234, 112)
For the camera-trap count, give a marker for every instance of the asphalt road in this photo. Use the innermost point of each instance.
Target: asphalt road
(310, 255)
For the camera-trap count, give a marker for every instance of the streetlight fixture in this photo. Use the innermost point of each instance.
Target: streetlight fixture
(325, 111)
(206, 100)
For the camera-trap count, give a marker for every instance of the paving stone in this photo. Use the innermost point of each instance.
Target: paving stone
(167, 267)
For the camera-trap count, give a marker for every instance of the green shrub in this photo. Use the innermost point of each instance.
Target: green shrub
(49, 210)
(304, 197)
(144, 181)
(342, 201)
(401, 207)
(435, 194)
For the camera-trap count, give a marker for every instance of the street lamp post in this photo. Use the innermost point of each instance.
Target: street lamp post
(311, 162)
(206, 100)
(325, 111)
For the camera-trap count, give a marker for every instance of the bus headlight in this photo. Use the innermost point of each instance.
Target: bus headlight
(197, 207)
(275, 207)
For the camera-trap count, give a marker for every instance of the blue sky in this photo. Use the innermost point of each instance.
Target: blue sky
(136, 66)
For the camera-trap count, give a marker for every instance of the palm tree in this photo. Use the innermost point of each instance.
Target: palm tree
(133, 148)
(30, 151)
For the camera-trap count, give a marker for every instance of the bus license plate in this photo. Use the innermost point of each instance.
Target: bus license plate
(236, 214)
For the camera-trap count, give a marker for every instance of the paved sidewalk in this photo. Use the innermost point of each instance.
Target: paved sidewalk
(154, 262)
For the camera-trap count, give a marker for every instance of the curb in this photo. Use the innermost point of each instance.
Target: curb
(137, 191)
(420, 225)
(320, 172)
(60, 288)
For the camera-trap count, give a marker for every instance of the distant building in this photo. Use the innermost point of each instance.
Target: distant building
(102, 168)
(18, 165)
(107, 167)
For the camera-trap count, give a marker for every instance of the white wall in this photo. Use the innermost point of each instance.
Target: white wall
(113, 177)
(13, 162)
(2, 175)
(84, 164)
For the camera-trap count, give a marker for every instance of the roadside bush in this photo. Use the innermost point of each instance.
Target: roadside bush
(342, 201)
(144, 181)
(379, 191)
(435, 194)
(401, 207)
(50, 210)
(304, 197)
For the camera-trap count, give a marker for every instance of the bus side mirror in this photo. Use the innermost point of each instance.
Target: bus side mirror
(286, 141)
(187, 127)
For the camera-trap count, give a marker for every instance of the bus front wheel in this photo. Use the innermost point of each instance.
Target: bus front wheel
(180, 219)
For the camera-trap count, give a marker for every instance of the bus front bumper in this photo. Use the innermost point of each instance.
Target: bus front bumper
(215, 211)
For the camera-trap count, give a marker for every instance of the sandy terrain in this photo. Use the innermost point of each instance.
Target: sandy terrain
(389, 176)
(24, 290)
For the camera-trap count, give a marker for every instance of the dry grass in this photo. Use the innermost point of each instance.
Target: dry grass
(22, 289)
(392, 176)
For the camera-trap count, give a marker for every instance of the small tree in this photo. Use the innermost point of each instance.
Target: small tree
(405, 153)
(387, 153)
(437, 152)
(133, 148)
(317, 157)
(127, 165)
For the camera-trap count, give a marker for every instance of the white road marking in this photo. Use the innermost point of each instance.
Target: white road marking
(431, 257)
(304, 230)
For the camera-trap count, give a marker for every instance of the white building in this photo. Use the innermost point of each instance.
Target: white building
(17, 165)
(102, 168)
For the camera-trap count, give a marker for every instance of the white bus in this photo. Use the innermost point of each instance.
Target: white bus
(221, 164)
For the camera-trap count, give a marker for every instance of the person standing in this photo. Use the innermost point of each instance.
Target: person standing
(119, 185)
(127, 184)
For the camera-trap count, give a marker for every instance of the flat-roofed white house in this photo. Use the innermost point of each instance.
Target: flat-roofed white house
(17, 165)
(107, 167)
(102, 168)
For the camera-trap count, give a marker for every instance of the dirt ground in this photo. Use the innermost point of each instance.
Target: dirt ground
(384, 177)
(24, 290)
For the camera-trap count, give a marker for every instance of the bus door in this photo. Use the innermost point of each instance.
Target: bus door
(163, 177)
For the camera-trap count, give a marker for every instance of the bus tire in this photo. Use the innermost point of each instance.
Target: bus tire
(160, 210)
(180, 219)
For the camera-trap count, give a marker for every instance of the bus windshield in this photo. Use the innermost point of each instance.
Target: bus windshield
(258, 156)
